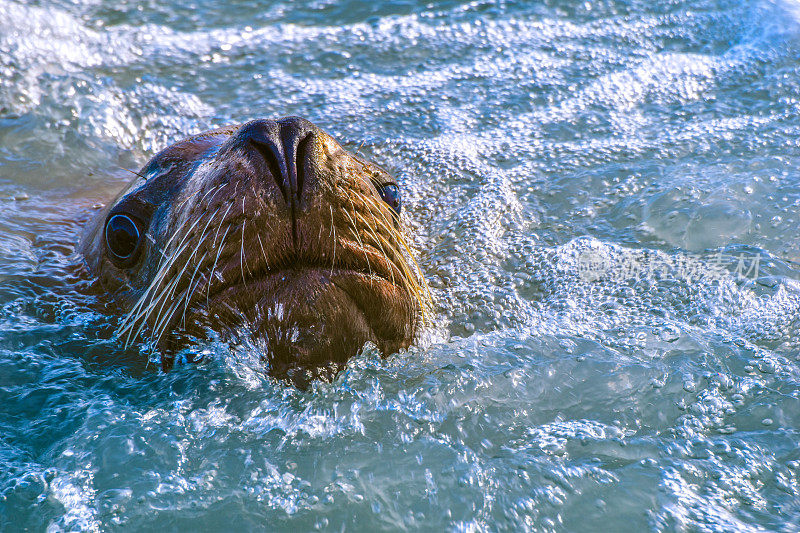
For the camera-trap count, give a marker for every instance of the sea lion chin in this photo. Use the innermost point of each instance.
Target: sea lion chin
(269, 229)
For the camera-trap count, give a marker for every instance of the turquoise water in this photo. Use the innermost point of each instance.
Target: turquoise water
(604, 199)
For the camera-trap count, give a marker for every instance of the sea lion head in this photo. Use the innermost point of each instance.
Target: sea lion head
(269, 228)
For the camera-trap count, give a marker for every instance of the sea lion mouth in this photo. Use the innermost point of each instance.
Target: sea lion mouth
(356, 285)
(370, 264)
(363, 278)
(306, 318)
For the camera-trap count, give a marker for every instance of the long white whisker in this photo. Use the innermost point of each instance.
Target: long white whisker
(134, 314)
(356, 235)
(261, 244)
(214, 267)
(333, 231)
(241, 256)
(192, 289)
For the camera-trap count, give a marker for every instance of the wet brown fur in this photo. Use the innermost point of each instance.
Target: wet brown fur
(298, 250)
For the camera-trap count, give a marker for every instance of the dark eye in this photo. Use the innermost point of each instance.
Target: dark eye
(122, 237)
(390, 193)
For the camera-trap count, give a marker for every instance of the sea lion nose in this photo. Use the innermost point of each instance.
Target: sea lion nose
(280, 145)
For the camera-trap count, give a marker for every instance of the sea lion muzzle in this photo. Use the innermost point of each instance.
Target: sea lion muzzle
(270, 230)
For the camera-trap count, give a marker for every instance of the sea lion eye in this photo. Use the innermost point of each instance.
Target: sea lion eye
(390, 193)
(122, 237)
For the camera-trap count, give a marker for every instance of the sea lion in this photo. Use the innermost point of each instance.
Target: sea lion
(269, 229)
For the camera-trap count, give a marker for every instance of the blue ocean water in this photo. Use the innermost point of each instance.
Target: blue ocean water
(603, 197)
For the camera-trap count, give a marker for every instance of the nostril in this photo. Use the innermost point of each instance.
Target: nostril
(300, 161)
(272, 158)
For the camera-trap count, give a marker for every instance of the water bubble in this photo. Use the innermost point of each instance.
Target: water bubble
(767, 366)
(669, 334)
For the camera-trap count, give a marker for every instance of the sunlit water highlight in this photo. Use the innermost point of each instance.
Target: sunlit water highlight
(604, 199)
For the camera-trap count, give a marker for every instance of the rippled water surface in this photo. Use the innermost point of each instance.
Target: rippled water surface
(604, 199)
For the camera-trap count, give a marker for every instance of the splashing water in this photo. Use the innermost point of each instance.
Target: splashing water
(604, 197)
